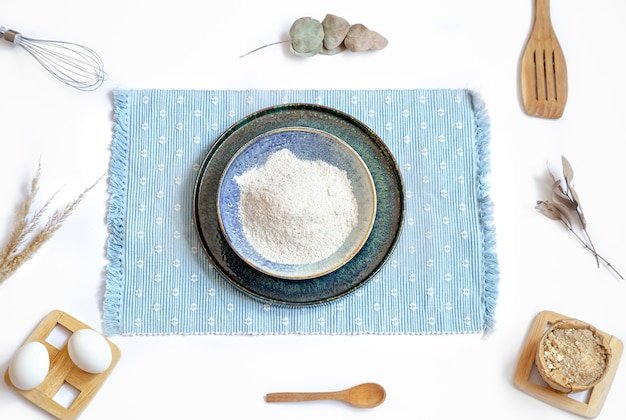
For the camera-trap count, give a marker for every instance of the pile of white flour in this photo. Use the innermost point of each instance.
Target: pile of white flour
(296, 211)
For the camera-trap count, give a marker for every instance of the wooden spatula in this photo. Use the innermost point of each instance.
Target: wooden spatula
(543, 69)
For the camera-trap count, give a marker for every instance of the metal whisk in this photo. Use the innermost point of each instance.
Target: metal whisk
(75, 65)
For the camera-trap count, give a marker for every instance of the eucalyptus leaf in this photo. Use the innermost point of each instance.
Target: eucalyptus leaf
(548, 209)
(304, 54)
(564, 213)
(380, 41)
(568, 171)
(581, 215)
(559, 196)
(307, 37)
(574, 196)
(359, 38)
(335, 30)
(336, 50)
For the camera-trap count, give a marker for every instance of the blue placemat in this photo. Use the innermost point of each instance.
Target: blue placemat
(441, 278)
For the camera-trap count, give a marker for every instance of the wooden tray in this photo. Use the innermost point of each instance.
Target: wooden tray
(528, 380)
(63, 372)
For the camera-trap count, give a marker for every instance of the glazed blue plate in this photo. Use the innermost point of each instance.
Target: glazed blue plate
(305, 144)
(335, 284)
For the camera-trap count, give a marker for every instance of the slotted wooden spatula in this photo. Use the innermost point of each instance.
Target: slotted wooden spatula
(543, 69)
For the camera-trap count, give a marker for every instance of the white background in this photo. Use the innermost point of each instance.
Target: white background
(443, 44)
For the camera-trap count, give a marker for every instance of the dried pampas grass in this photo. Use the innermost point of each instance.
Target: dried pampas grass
(27, 235)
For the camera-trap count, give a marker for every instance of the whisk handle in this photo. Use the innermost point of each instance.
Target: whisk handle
(11, 35)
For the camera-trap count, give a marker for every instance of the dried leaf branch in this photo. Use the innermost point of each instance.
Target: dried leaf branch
(331, 36)
(27, 235)
(564, 204)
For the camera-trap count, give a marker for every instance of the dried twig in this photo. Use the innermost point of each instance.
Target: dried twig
(563, 204)
(27, 235)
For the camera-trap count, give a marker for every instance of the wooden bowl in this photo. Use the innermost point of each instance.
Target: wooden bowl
(572, 356)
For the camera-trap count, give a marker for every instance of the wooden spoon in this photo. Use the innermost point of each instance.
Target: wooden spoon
(543, 69)
(367, 395)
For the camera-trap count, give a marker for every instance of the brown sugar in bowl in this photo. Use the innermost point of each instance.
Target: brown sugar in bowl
(572, 356)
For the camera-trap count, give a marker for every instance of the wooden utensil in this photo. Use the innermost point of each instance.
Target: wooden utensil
(528, 380)
(63, 372)
(367, 395)
(543, 69)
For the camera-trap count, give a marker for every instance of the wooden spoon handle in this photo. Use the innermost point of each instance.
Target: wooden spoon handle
(302, 396)
(542, 8)
(542, 22)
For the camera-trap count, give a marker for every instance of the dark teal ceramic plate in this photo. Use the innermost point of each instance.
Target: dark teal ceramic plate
(340, 282)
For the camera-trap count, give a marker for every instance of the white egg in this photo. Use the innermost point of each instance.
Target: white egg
(29, 366)
(90, 351)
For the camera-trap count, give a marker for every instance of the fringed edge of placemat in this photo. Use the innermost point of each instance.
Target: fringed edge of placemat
(116, 215)
(486, 213)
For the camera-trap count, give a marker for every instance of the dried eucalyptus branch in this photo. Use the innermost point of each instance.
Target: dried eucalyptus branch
(563, 204)
(27, 236)
(331, 36)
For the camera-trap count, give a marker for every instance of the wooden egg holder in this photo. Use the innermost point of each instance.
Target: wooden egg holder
(63, 371)
(539, 389)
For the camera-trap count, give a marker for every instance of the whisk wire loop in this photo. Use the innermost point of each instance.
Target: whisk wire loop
(73, 64)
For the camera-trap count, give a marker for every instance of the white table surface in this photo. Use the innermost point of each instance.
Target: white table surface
(442, 44)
